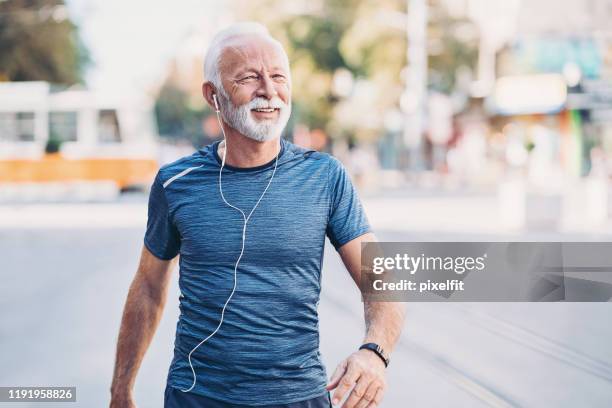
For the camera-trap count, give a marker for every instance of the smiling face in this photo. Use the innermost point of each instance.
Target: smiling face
(256, 94)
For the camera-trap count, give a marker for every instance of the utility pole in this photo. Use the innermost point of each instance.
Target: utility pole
(415, 94)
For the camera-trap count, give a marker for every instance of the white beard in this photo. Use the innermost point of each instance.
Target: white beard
(241, 119)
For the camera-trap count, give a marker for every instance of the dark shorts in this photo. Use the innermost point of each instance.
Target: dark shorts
(174, 398)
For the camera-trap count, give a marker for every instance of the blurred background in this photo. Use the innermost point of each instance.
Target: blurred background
(459, 120)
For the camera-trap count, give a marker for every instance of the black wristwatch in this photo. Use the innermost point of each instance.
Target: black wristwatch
(378, 350)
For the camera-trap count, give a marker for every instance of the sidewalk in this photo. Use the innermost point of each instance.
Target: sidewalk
(422, 214)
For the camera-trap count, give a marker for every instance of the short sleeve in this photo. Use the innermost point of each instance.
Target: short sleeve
(347, 218)
(161, 237)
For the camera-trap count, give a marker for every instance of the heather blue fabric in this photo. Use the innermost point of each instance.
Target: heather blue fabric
(267, 350)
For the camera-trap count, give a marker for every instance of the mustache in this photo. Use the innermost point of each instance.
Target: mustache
(263, 103)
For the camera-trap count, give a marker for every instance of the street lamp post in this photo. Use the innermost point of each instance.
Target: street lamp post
(413, 100)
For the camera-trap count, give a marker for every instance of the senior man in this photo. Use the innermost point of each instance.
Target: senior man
(249, 217)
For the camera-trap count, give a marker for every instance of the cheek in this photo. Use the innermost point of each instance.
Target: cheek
(284, 92)
(242, 94)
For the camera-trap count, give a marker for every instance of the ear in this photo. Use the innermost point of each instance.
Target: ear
(208, 90)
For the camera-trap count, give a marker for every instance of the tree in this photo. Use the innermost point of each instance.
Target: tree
(176, 118)
(38, 42)
(331, 37)
(452, 45)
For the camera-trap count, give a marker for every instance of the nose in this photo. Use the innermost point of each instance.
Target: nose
(266, 87)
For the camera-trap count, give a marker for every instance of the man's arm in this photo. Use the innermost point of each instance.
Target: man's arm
(384, 321)
(143, 310)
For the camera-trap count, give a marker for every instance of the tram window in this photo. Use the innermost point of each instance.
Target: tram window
(108, 126)
(63, 126)
(17, 126)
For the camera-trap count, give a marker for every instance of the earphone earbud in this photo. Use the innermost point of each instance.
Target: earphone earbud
(216, 103)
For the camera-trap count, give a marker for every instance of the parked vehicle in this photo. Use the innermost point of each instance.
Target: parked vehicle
(49, 135)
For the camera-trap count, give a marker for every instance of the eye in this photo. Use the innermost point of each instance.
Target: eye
(249, 78)
(279, 77)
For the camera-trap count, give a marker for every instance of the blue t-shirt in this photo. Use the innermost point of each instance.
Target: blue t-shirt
(267, 349)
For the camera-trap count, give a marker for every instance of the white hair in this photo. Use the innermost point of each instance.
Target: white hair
(221, 40)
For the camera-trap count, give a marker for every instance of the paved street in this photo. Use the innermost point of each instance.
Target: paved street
(66, 270)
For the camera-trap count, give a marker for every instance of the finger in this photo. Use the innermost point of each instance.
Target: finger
(369, 395)
(346, 382)
(335, 378)
(377, 398)
(358, 393)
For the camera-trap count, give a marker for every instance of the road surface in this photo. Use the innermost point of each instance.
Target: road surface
(66, 270)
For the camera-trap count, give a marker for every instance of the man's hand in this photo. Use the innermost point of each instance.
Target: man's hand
(383, 321)
(366, 372)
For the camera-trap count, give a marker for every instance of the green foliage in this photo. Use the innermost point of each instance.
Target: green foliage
(367, 38)
(39, 43)
(176, 119)
(322, 38)
(308, 33)
(452, 43)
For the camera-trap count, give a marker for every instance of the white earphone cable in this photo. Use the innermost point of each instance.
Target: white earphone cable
(246, 220)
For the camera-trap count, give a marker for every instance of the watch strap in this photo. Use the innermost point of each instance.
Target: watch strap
(377, 350)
